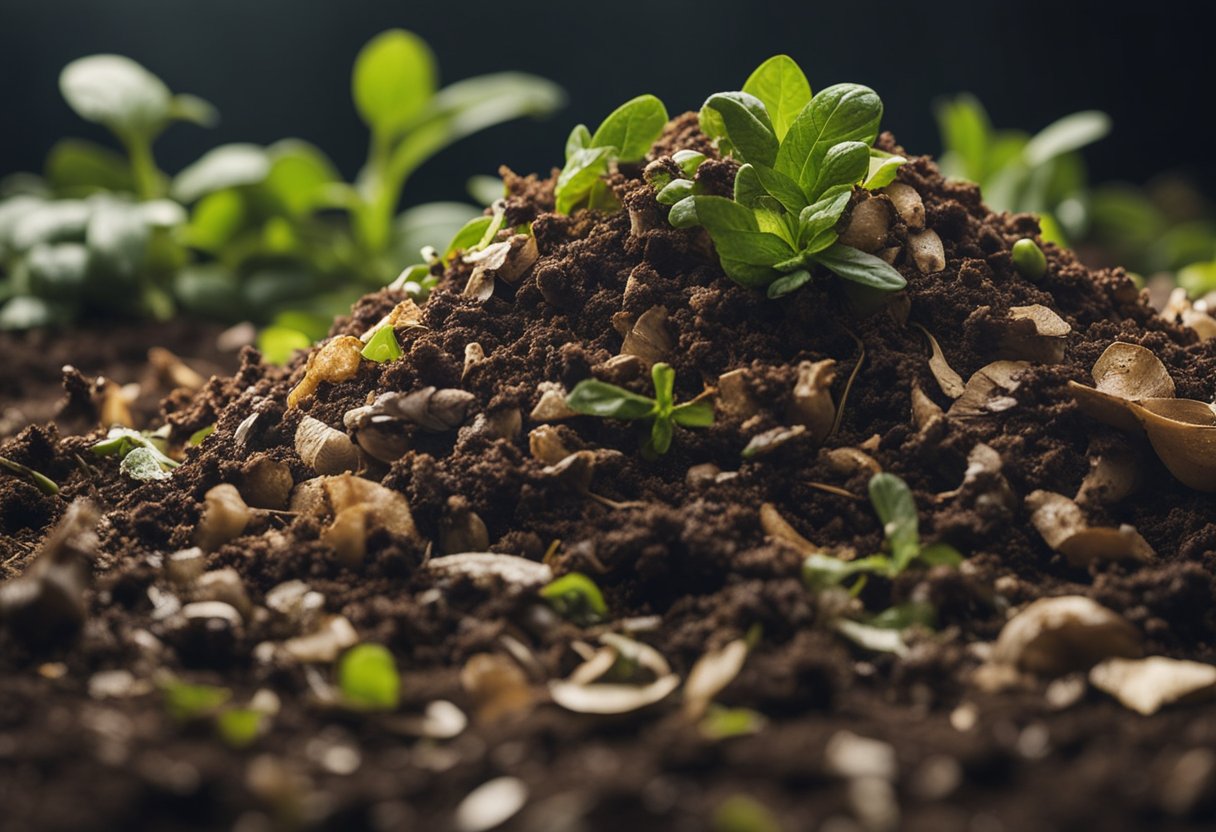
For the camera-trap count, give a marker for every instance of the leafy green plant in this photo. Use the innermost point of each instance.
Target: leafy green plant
(592, 397)
(368, 678)
(142, 455)
(802, 155)
(271, 233)
(575, 596)
(896, 508)
(624, 136)
(1042, 173)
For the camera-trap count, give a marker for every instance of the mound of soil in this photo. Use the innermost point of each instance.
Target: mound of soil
(838, 737)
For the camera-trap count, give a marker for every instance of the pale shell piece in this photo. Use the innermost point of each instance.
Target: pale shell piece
(907, 202)
(611, 698)
(868, 225)
(812, 404)
(927, 251)
(324, 449)
(490, 566)
(710, 676)
(491, 804)
(1053, 636)
(1146, 685)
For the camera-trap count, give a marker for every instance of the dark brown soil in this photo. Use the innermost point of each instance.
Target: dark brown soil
(690, 551)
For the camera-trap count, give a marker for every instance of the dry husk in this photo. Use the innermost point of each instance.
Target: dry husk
(1034, 333)
(357, 506)
(649, 339)
(487, 567)
(907, 202)
(947, 379)
(1063, 526)
(927, 251)
(551, 406)
(812, 404)
(224, 517)
(1193, 315)
(497, 686)
(776, 526)
(405, 314)
(988, 390)
(1145, 685)
(335, 361)
(710, 676)
(734, 400)
(868, 225)
(1053, 636)
(324, 449)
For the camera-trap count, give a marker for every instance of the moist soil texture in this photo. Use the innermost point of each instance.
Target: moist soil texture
(813, 732)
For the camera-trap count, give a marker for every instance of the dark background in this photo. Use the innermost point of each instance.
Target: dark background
(278, 68)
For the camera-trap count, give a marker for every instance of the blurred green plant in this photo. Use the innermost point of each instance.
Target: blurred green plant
(272, 234)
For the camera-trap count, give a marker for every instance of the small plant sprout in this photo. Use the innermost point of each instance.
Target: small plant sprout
(41, 481)
(143, 457)
(185, 701)
(893, 502)
(624, 136)
(367, 676)
(575, 596)
(592, 397)
(1029, 259)
(382, 346)
(802, 156)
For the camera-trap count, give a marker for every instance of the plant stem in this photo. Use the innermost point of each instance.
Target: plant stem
(143, 166)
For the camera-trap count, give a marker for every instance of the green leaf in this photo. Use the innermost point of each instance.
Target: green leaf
(1198, 279)
(117, 238)
(940, 554)
(227, 166)
(57, 272)
(786, 284)
(966, 136)
(740, 813)
(432, 224)
(660, 437)
(41, 481)
(485, 190)
(822, 215)
(903, 616)
(632, 127)
(722, 723)
(859, 267)
(48, 222)
(747, 124)
(382, 346)
(840, 113)
(580, 175)
(278, 344)
(674, 191)
(367, 675)
(468, 236)
(753, 248)
(869, 637)
(299, 175)
(79, 168)
(592, 397)
(239, 727)
(714, 128)
(143, 464)
(782, 87)
(718, 213)
(882, 169)
(820, 571)
(663, 377)
(393, 81)
(184, 701)
(216, 220)
(575, 596)
(193, 109)
(1066, 135)
(688, 160)
(780, 187)
(117, 92)
(579, 139)
(693, 414)
(199, 435)
(845, 163)
(896, 508)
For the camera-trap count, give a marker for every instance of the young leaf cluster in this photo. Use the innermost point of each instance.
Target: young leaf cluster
(592, 397)
(142, 455)
(368, 678)
(802, 155)
(269, 233)
(575, 596)
(624, 136)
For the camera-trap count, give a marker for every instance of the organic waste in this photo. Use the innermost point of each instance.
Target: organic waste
(608, 532)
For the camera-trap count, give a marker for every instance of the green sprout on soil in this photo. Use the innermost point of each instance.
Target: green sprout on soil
(186, 702)
(272, 234)
(368, 678)
(740, 813)
(41, 481)
(575, 596)
(1029, 259)
(142, 454)
(382, 346)
(592, 397)
(802, 156)
(624, 136)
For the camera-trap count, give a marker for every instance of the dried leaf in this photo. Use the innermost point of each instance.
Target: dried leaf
(1063, 526)
(771, 440)
(812, 404)
(1183, 433)
(649, 339)
(611, 698)
(552, 405)
(487, 567)
(335, 361)
(1145, 685)
(1053, 636)
(405, 314)
(324, 449)
(710, 676)
(1034, 333)
(949, 381)
(774, 525)
(734, 400)
(988, 390)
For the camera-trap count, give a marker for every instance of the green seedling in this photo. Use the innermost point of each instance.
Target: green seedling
(185, 702)
(741, 813)
(142, 454)
(41, 481)
(624, 136)
(368, 678)
(575, 596)
(802, 156)
(1029, 259)
(597, 398)
(382, 346)
(896, 508)
(199, 435)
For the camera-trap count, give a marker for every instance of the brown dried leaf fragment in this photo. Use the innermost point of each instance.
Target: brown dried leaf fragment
(1146, 685)
(648, 338)
(1063, 526)
(734, 400)
(225, 515)
(497, 687)
(405, 314)
(710, 675)
(1053, 636)
(1034, 333)
(335, 361)
(948, 380)
(551, 406)
(173, 371)
(988, 390)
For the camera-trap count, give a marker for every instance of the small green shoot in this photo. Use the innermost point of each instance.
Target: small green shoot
(740, 813)
(142, 458)
(382, 346)
(802, 156)
(592, 397)
(1029, 259)
(41, 481)
(367, 676)
(720, 723)
(199, 435)
(185, 701)
(624, 136)
(239, 727)
(575, 596)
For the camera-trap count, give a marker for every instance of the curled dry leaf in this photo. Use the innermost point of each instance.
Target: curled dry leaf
(1063, 526)
(575, 470)
(734, 400)
(1183, 433)
(611, 698)
(988, 390)
(1034, 333)
(774, 525)
(324, 449)
(491, 804)
(1145, 685)
(357, 506)
(485, 568)
(648, 338)
(907, 202)
(868, 225)
(710, 676)
(1113, 475)
(771, 440)
(497, 686)
(927, 251)
(950, 381)
(551, 406)
(432, 409)
(1053, 636)
(225, 515)
(115, 407)
(812, 404)
(173, 371)
(849, 462)
(1124, 373)
(546, 445)
(925, 412)
(335, 361)
(405, 314)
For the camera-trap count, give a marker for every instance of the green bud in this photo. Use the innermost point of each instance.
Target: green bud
(688, 160)
(674, 191)
(1028, 259)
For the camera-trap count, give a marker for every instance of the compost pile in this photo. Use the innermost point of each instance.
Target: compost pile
(800, 707)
